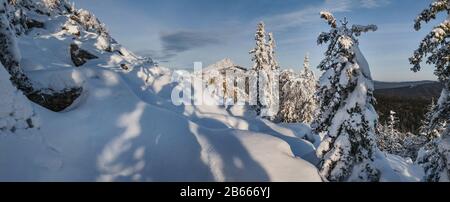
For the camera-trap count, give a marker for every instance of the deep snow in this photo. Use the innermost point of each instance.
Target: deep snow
(124, 127)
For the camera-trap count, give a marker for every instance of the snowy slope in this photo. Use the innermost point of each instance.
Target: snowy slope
(124, 126)
(138, 141)
(111, 134)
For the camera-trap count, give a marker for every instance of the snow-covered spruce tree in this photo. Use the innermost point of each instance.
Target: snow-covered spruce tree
(346, 112)
(290, 92)
(273, 74)
(309, 89)
(260, 63)
(434, 48)
(392, 141)
(412, 144)
(431, 133)
(434, 158)
(271, 52)
(389, 139)
(392, 122)
(298, 102)
(264, 74)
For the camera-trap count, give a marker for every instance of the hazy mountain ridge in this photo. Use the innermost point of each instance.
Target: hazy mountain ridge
(401, 84)
(422, 89)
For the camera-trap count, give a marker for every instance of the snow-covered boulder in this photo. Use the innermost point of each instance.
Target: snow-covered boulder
(16, 112)
(80, 56)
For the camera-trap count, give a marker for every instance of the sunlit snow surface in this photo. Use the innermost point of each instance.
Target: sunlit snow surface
(124, 126)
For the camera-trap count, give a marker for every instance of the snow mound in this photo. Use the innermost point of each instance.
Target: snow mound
(394, 168)
(137, 141)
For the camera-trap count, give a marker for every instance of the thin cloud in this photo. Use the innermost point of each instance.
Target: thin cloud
(374, 3)
(181, 41)
(174, 43)
(310, 14)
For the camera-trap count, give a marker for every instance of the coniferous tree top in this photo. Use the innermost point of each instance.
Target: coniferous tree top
(338, 37)
(342, 48)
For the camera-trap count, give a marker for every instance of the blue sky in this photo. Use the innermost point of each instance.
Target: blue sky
(179, 32)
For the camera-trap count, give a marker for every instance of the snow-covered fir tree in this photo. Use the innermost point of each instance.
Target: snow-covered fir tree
(291, 102)
(271, 52)
(309, 89)
(434, 156)
(392, 141)
(426, 130)
(392, 122)
(288, 97)
(389, 139)
(273, 74)
(264, 75)
(260, 63)
(346, 113)
(298, 102)
(412, 144)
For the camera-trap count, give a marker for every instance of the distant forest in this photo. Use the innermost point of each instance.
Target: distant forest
(410, 104)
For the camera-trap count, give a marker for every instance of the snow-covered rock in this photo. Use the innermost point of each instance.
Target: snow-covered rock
(16, 112)
(220, 65)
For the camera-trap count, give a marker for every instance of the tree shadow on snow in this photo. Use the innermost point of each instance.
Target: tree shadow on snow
(236, 162)
(147, 150)
(300, 148)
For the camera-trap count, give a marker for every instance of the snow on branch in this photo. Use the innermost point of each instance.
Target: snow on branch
(329, 18)
(435, 44)
(430, 13)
